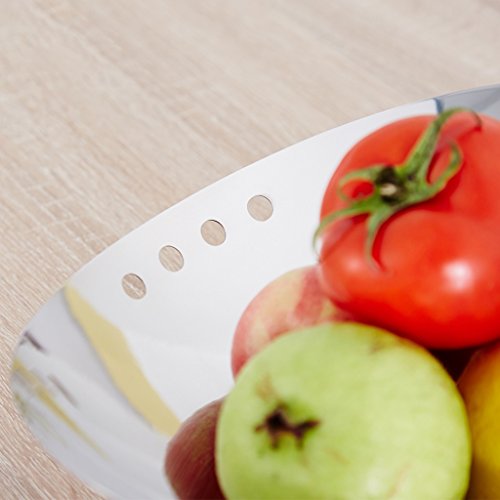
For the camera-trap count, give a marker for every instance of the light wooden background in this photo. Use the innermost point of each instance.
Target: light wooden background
(111, 111)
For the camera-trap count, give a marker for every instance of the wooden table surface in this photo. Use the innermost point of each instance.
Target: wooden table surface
(112, 111)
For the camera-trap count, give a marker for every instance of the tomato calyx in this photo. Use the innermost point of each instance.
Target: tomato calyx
(396, 187)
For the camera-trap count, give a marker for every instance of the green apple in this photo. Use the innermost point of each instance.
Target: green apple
(343, 410)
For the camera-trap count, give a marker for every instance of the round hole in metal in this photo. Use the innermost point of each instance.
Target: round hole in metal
(260, 207)
(134, 286)
(213, 232)
(171, 258)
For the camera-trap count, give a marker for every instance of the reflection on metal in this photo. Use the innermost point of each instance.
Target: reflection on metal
(38, 389)
(112, 348)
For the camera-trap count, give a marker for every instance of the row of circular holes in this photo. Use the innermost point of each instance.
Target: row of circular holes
(213, 232)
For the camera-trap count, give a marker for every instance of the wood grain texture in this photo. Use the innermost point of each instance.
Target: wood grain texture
(112, 111)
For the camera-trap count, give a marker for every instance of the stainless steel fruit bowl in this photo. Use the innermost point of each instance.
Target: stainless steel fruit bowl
(133, 344)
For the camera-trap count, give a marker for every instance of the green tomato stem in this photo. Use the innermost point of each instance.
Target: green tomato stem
(396, 187)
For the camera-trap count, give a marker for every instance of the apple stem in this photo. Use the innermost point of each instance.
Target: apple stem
(277, 424)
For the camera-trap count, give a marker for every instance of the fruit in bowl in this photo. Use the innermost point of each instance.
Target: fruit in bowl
(190, 456)
(409, 230)
(336, 393)
(293, 300)
(343, 411)
(480, 387)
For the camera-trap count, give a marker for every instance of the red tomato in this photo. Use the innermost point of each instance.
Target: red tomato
(433, 271)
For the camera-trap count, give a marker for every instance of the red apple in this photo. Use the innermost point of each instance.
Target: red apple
(190, 458)
(293, 300)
